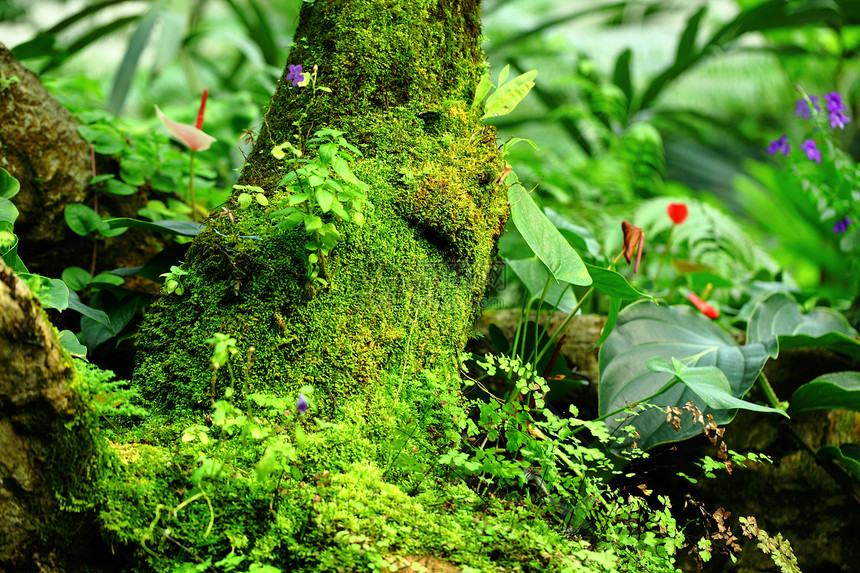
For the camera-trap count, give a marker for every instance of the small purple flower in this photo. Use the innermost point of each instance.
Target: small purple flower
(841, 225)
(801, 107)
(812, 152)
(780, 145)
(301, 404)
(295, 75)
(835, 110)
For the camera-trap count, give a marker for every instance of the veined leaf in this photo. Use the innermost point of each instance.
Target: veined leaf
(81, 219)
(646, 330)
(543, 238)
(834, 391)
(8, 211)
(508, 96)
(778, 316)
(613, 284)
(709, 383)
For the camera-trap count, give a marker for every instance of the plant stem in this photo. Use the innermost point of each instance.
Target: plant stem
(665, 254)
(191, 188)
(567, 319)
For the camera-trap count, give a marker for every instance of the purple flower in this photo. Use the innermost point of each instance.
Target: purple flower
(779, 146)
(841, 225)
(835, 110)
(295, 75)
(801, 107)
(301, 404)
(834, 102)
(812, 152)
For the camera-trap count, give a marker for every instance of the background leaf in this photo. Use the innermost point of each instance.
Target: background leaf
(778, 316)
(837, 391)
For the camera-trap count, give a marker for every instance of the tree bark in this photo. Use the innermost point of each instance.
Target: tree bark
(40, 147)
(36, 404)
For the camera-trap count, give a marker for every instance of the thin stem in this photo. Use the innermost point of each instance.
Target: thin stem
(769, 393)
(191, 188)
(665, 254)
(567, 319)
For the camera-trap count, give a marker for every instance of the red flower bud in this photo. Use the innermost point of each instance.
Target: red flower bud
(677, 212)
(205, 95)
(704, 307)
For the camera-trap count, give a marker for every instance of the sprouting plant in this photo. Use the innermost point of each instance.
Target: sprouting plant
(507, 95)
(6, 82)
(322, 192)
(173, 280)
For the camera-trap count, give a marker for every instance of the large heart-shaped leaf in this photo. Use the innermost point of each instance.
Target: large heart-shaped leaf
(646, 330)
(837, 391)
(778, 316)
(543, 238)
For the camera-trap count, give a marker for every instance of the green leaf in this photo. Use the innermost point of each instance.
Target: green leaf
(508, 96)
(484, 87)
(503, 75)
(117, 187)
(834, 391)
(182, 228)
(687, 44)
(76, 278)
(9, 186)
(8, 211)
(136, 44)
(621, 75)
(611, 319)
(98, 315)
(105, 139)
(297, 199)
(52, 293)
(613, 284)
(341, 167)
(778, 316)
(848, 454)
(543, 238)
(70, 342)
(645, 330)
(324, 199)
(81, 219)
(534, 275)
(312, 223)
(709, 383)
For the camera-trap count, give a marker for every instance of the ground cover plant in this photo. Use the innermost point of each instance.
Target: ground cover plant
(301, 396)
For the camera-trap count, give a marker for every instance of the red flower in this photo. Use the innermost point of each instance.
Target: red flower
(677, 212)
(190, 135)
(704, 307)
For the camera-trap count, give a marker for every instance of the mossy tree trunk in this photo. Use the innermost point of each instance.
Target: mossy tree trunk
(405, 288)
(378, 344)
